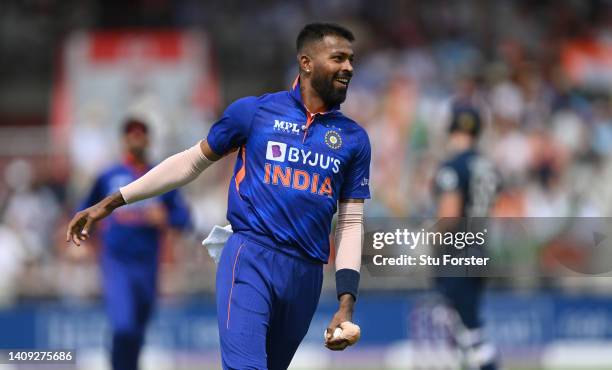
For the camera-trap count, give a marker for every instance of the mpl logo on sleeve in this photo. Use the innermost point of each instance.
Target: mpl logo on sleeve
(276, 151)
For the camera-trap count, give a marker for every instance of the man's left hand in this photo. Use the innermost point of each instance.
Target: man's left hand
(343, 315)
(156, 215)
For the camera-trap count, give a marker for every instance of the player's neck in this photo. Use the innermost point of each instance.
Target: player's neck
(311, 99)
(135, 159)
(460, 143)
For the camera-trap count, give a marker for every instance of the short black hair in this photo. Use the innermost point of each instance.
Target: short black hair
(317, 31)
(132, 124)
(466, 119)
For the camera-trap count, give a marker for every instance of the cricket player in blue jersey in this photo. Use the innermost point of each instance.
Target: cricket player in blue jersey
(465, 187)
(130, 247)
(299, 160)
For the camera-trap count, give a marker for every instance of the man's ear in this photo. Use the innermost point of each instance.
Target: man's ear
(305, 63)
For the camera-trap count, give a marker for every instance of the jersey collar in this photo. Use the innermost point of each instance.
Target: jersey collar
(134, 164)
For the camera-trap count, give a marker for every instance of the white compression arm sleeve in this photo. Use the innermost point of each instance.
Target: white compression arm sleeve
(173, 172)
(349, 236)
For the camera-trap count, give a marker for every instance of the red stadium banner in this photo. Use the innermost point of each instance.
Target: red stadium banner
(166, 77)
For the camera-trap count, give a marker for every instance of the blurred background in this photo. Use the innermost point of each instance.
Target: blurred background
(71, 71)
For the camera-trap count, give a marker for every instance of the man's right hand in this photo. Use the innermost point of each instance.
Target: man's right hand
(80, 225)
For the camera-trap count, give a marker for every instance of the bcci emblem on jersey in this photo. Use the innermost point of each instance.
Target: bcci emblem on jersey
(333, 139)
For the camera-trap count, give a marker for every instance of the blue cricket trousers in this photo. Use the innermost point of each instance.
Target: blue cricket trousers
(129, 294)
(265, 303)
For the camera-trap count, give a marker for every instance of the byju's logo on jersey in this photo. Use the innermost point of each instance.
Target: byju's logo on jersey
(276, 151)
(299, 178)
(286, 127)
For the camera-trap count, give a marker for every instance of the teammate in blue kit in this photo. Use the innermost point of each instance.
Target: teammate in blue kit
(299, 160)
(131, 243)
(465, 187)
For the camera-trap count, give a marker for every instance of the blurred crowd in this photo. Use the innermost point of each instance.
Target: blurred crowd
(539, 72)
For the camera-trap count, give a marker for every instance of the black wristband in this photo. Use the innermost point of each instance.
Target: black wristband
(347, 281)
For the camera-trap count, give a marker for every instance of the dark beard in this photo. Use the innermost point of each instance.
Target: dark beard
(330, 95)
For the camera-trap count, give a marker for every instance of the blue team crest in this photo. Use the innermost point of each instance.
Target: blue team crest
(333, 139)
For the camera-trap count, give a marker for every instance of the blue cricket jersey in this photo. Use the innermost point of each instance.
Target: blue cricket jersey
(291, 170)
(125, 233)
